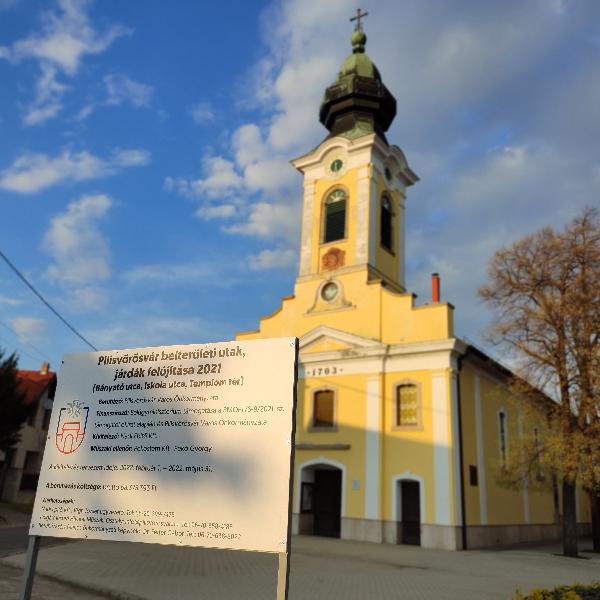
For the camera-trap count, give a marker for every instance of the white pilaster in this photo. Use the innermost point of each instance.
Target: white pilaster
(401, 241)
(374, 207)
(441, 450)
(307, 227)
(456, 479)
(362, 215)
(372, 466)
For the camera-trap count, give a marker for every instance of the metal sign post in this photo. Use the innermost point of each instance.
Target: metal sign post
(30, 561)
(283, 570)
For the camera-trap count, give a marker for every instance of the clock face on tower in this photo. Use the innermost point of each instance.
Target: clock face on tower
(335, 166)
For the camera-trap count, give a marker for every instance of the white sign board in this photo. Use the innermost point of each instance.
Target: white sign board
(186, 445)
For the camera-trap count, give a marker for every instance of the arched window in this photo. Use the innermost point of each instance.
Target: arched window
(335, 216)
(386, 222)
(323, 409)
(407, 406)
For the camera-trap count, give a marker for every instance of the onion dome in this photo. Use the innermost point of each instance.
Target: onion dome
(357, 102)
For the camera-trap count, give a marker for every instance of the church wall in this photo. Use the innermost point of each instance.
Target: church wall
(473, 496)
(505, 506)
(322, 188)
(408, 451)
(385, 261)
(404, 323)
(350, 392)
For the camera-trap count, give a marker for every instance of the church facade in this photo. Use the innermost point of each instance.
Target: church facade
(401, 426)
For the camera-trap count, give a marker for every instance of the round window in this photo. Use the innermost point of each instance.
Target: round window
(329, 291)
(336, 165)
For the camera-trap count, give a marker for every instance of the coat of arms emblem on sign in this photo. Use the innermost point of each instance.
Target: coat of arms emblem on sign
(70, 430)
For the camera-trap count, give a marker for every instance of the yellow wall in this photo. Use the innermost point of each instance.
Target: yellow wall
(469, 439)
(350, 394)
(408, 449)
(374, 312)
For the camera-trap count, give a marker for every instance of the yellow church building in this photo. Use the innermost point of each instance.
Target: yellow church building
(402, 427)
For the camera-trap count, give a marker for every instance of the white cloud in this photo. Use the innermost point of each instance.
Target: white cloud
(8, 301)
(247, 145)
(122, 89)
(279, 258)
(213, 273)
(220, 180)
(255, 175)
(86, 298)
(270, 176)
(202, 113)
(28, 328)
(220, 211)
(78, 249)
(135, 331)
(129, 157)
(48, 93)
(31, 173)
(269, 220)
(66, 36)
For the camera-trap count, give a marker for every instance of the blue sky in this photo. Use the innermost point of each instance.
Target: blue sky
(144, 147)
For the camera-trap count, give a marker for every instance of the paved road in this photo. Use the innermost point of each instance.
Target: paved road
(15, 539)
(43, 589)
(321, 569)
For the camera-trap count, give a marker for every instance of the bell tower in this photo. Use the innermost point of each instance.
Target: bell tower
(355, 182)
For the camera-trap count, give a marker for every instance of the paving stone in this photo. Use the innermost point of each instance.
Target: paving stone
(320, 568)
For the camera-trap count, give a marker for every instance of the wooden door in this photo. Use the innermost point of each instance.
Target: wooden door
(327, 496)
(411, 513)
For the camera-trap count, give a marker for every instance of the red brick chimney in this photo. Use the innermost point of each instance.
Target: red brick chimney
(435, 287)
(45, 368)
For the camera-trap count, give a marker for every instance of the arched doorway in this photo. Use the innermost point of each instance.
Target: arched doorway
(408, 513)
(321, 485)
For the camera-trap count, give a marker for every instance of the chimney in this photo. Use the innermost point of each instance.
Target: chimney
(45, 368)
(435, 287)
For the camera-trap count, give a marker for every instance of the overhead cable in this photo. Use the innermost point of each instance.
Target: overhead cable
(30, 286)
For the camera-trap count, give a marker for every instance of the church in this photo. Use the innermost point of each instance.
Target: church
(402, 428)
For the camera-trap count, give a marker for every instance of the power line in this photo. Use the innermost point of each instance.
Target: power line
(30, 286)
(19, 348)
(44, 357)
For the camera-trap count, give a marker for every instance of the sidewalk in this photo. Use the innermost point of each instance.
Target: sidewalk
(14, 515)
(320, 568)
(45, 589)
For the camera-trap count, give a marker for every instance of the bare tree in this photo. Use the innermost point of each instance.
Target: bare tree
(546, 295)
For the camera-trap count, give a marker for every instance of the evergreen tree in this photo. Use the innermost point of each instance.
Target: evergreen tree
(13, 410)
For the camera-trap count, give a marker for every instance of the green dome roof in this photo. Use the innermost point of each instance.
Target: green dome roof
(358, 63)
(357, 103)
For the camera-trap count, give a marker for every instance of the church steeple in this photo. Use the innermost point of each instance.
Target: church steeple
(357, 102)
(354, 189)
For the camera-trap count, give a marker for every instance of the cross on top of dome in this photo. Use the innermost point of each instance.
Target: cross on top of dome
(357, 18)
